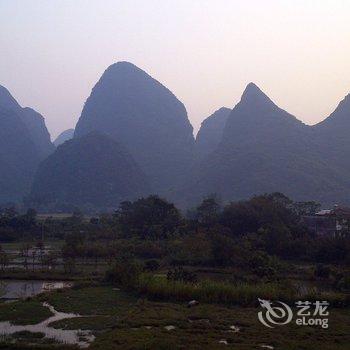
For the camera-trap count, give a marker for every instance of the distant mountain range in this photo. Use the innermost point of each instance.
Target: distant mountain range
(63, 137)
(88, 172)
(134, 138)
(143, 115)
(265, 149)
(24, 142)
(210, 133)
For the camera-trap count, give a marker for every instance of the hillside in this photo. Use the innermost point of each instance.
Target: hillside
(92, 171)
(144, 116)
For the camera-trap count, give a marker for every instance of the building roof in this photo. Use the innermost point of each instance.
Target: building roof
(336, 211)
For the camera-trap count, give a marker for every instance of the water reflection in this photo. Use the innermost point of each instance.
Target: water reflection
(10, 289)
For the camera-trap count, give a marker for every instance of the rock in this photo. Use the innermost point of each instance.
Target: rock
(192, 303)
(234, 329)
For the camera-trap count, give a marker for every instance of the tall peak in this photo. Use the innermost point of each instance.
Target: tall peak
(253, 95)
(347, 98)
(7, 101)
(123, 66)
(340, 117)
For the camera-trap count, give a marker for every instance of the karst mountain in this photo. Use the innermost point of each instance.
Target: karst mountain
(265, 149)
(63, 137)
(24, 142)
(146, 118)
(134, 138)
(92, 171)
(210, 133)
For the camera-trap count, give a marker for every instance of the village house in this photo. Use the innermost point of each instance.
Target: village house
(329, 222)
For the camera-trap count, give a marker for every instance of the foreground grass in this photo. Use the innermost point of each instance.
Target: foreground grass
(24, 312)
(122, 321)
(95, 300)
(207, 325)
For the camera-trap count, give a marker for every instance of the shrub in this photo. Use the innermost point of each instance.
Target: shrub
(264, 265)
(124, 273)
(180, 274)
(212, 291)
(322, 271)
(343, 284)
(151, 265)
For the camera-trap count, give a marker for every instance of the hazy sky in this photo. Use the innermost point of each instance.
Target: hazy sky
(52, 52)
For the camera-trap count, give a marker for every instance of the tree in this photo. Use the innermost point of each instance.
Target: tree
(4, 260)
(125, 273)
(41, 247)
(207, 213)
(69, 264)
(150, 217)
(306, 208)
(25, 247)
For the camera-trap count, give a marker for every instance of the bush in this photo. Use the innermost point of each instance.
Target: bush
(180, 274)
(124, 273)
(322, 271)
(264, 265)
(343, 284)
(213, 292)
(151, 265)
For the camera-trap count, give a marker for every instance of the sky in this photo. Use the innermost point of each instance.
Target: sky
(52, 52)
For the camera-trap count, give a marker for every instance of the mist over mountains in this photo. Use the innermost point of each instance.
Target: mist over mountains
(134, 138)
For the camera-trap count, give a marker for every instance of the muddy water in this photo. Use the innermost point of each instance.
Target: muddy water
(73, 337)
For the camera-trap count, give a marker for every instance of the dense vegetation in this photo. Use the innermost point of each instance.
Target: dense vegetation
(138, 268)
(258, 238)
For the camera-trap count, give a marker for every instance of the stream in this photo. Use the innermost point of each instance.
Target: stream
(73, 337)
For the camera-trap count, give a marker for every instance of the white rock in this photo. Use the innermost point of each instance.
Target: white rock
(234, 329)
(193, 303)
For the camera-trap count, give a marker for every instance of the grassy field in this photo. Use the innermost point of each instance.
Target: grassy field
(24, 312)
(154, 314)
(124, 321)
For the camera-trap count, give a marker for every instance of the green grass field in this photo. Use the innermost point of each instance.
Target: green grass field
(123, 321)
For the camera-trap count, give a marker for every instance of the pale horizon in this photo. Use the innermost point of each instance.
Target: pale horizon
(205, 52)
